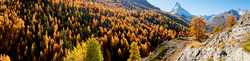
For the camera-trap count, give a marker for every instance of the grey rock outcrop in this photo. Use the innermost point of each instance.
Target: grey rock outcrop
(165, 50)
(169, 50)
(222, 46)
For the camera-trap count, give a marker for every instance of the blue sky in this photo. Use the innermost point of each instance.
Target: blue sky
(203, 7)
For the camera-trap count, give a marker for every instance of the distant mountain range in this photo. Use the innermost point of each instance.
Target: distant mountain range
(212, 20)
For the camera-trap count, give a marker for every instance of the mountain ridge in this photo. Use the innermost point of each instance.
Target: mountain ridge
(221, 19)
(242, 11)
(146, 3)
(213, 20)
(138, 3)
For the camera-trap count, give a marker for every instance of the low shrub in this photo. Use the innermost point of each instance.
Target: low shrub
(179, 38)
(247, 46)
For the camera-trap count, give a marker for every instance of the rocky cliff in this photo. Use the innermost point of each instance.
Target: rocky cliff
(226, 45)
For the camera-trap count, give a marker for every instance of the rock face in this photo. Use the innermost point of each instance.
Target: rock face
(165, 50)
(222, 46)
(170, 50)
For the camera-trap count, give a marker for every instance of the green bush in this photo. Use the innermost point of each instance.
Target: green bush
(179, 38)
(247, 46)
(159, 56)
(210, 59)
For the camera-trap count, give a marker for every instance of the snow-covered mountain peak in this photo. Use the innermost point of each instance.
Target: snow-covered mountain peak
(209, 17)
(177, 10)
(177, 5)
(242, 11)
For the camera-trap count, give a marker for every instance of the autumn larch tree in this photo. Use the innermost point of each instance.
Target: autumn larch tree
(231, 21)
(4, 57)
(220, 29)
(197, 27)
(78, 53)
(120, 53)
(216, 29)
(134, 52)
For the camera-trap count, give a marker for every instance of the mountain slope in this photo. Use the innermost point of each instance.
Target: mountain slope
(139, 4)
(225, 45)
(170, 50)
(131, 5)
(146, 3)
(47, 30)
(208, 17)
(174, 18)
(221, 19)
